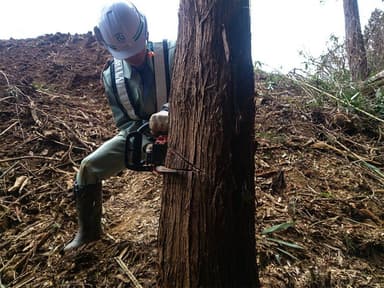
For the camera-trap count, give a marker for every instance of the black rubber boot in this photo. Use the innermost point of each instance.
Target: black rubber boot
(88, 206)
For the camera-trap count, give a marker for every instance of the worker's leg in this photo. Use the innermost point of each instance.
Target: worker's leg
(106, 161)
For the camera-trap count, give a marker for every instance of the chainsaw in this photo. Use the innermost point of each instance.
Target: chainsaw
(146, 152)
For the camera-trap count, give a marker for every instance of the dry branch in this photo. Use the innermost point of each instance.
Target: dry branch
(340, 100)
(125, 269)
(32, 106)
(85, 143)
(29, 157)
(373, 83)
(5, 76)
(19, 184)
(9, 127)
(9, 169)
(348, 154)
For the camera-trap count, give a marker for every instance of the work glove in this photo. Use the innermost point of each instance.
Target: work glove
(158, 123)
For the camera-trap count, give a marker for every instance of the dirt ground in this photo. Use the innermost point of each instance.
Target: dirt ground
(319, 186)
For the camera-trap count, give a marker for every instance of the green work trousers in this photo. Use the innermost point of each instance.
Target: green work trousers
(107, 160)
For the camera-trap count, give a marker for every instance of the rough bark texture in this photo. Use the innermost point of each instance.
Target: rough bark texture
(206, 233)
(357, 55)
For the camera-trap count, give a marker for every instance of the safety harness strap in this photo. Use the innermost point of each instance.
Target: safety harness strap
(162, 73)
(122, 92)
(162, 82)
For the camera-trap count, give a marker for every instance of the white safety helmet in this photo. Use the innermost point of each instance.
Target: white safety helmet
(122, 29)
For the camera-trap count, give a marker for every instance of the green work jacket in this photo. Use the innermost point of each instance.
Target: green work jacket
(131, 91)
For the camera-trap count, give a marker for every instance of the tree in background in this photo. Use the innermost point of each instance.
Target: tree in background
(207, 225)
(374, 41)
(357, 57)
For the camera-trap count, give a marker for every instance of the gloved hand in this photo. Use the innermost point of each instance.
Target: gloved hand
(158, 123)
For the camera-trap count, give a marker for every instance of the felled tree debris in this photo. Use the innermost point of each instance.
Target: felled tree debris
(370, 87)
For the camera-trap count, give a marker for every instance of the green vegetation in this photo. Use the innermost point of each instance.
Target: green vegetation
(328, 79)
(330, 76)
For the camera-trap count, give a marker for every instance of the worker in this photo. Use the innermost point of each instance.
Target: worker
(130, 84)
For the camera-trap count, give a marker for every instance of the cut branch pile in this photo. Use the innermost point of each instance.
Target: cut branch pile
(370, 86)
(323, 229)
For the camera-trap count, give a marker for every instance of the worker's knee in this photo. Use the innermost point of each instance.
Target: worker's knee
(87, 172)
(86, 165)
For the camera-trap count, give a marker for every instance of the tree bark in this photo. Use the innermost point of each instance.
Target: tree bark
(207, 222)
(357, 56)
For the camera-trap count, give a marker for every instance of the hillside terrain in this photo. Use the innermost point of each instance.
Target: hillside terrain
(319, 180)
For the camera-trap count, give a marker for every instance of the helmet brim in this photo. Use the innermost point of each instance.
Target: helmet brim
(124, 54)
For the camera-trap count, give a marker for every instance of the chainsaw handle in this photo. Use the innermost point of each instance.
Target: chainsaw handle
(143, 128)
(133, 146)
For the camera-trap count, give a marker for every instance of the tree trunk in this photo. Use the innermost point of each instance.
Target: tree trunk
(357, 55)
(207, 222)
